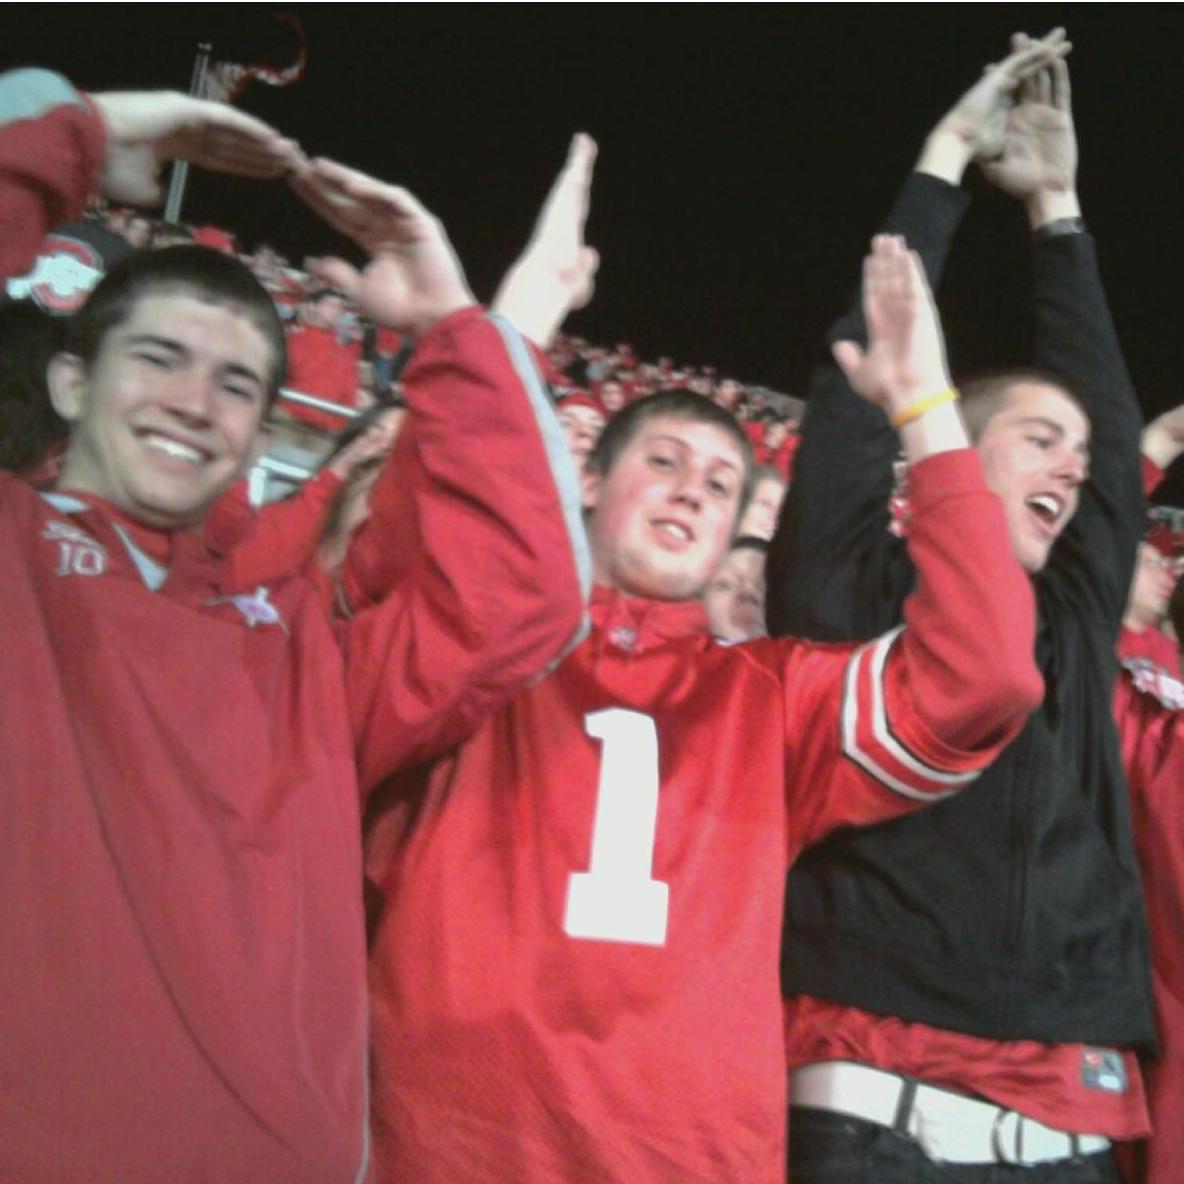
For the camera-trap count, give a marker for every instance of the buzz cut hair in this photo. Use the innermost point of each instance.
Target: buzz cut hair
(983, 395)
(200, 272)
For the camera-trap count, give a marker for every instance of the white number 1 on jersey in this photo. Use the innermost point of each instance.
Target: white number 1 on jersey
(617, 898)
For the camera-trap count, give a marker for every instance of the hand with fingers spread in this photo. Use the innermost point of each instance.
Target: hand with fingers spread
(414, 278)
(1038, 157)
(975, 127)
(555, 273)
(147, 128)
(905, 359)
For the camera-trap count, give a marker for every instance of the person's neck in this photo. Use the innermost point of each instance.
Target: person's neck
(1138, 622)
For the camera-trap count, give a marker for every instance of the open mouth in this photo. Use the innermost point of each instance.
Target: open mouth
(173, 448)
(676, 532)
(1047, 507)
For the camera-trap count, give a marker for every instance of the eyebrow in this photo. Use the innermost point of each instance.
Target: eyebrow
(723, 460)
(175, 347)
(1055, 427)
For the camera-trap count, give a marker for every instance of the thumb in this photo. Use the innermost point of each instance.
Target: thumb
(849, 357)
(335, 272)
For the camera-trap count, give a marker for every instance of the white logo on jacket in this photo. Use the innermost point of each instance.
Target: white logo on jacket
(78, 553)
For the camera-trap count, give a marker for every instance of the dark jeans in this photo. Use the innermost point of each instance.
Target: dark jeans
(827, 1148)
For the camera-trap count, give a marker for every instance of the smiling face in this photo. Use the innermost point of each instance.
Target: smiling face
(1035, 455)
(167, 416)
(664, 514)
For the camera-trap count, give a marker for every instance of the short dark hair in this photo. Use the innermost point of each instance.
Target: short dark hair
(982, 395)
(29, 426)
(201, 272)
(675, 404)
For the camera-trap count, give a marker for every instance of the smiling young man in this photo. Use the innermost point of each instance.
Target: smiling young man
(182, 946)
(576, 914)
(966, 988)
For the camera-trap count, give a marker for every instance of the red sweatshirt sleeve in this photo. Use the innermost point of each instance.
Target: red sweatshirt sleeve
(281, 537)
(1152, 476)
(52, 146)
(964, 678)
(495, 591)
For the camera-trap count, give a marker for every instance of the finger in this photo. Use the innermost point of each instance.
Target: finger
(849, 358)
(363, 188)
(1060, 85)
(1043, 86)
(335, 272)
(565, 208)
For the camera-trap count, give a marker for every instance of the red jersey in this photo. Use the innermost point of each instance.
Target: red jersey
(574, 968)
(1149, 710)
(1152, 645)
(1071, 1087)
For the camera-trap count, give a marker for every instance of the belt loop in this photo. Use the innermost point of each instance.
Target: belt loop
(904, 1105)
(1075, 1146)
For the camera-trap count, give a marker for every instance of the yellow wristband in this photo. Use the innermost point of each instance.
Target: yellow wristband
(917, 409)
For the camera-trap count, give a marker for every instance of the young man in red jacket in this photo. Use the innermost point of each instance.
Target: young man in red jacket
(576, 913)
(182, 940)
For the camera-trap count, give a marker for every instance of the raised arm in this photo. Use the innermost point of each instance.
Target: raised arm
(925, 708)
(553, 275)
(494, 590)
(1074, 338)
(1162, 440)
(58, 147)
(835, 572)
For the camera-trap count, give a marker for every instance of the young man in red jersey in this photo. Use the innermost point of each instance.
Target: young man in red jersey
(576, 913)
(182, 952)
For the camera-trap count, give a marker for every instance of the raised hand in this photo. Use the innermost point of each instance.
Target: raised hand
(975, 127)
(147, 128)
(414, 278)
(1038, 153)
(905, 358)
(1163, 438)
(555, 273)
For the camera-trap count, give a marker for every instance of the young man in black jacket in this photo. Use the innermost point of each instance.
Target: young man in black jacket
(967, 986)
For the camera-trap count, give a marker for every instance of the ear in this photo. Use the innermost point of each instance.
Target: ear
(590, 488)
(66, 377)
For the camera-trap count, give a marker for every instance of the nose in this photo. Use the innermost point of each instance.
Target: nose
(689, 489)
(1071, 467)
(189, 397)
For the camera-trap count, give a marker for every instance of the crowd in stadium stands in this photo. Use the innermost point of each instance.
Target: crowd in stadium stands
(449, 818)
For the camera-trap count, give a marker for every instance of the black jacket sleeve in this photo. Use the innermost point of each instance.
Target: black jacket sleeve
(835, 572)
(1074, 338)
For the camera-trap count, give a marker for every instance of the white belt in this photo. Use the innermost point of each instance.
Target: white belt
(950, 1127)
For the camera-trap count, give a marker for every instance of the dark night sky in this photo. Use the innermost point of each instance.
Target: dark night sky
(746, 151)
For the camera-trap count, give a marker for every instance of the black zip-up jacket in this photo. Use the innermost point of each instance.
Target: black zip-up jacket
(1012, 910)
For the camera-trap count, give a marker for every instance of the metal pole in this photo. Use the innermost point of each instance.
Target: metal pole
(172, 209)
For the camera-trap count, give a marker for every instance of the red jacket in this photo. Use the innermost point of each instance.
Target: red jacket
(318, 364)
(577, 911)
(181, 939)
(1149, 710)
